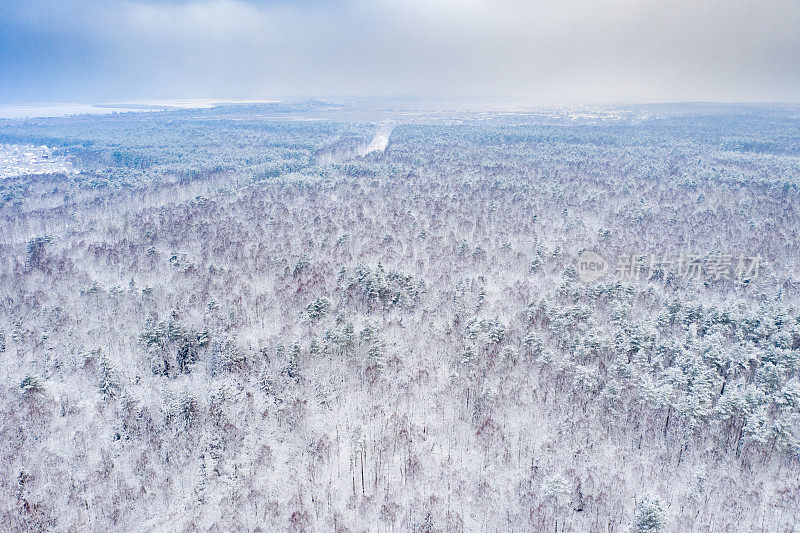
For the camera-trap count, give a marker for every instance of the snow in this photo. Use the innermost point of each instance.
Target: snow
(69, 109)
(327, 337)
(379, 142)
(22, 159)
(58, 110)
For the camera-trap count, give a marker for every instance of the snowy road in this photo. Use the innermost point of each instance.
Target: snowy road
(379, 142)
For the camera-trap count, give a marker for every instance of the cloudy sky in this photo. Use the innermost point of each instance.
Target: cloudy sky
(527, 50)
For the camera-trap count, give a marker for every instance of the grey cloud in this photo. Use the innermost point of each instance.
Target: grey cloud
(535, 51)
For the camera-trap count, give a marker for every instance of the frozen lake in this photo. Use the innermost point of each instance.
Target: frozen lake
(59, 110)
(65, 110)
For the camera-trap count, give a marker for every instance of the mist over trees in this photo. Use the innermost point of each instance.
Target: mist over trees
(229, 320)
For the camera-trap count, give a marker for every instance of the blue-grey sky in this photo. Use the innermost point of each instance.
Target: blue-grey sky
(532, 51)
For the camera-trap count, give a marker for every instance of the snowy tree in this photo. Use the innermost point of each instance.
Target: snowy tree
(649, 516)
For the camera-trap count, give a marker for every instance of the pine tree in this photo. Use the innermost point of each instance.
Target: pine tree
(108, 384)
(30, 385)
(318, 308)
(649, 516)
(293, 364)
(187, 355)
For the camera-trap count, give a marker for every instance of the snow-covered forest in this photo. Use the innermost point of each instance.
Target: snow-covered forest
(256, 318)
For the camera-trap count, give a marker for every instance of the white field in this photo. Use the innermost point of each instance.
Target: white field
(379, 142)
(23, 159)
